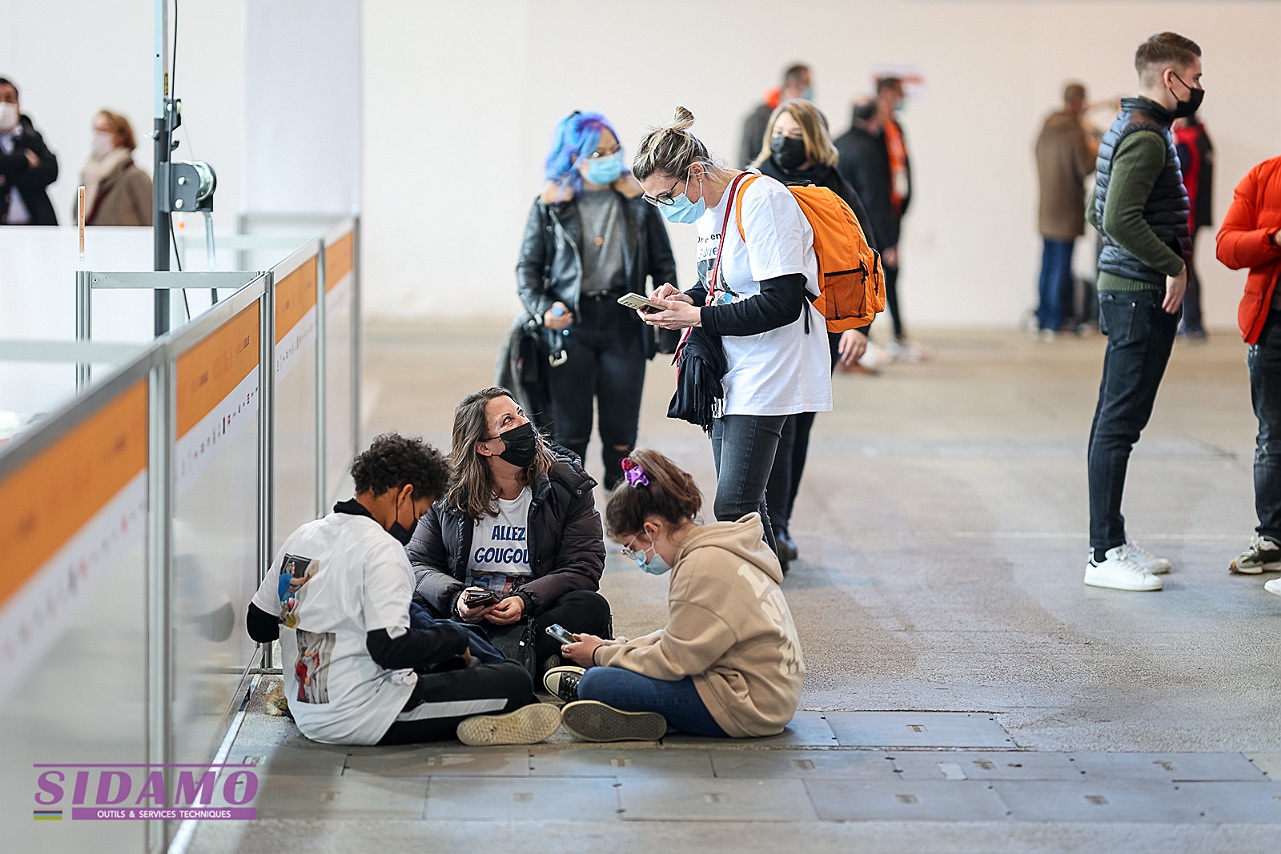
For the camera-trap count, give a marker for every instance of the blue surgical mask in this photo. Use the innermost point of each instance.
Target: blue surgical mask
(654, 565)
(683, 210)
(604, 171)
(808, 93)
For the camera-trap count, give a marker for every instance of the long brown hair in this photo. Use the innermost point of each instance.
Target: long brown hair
(818, 141)
(472, 490)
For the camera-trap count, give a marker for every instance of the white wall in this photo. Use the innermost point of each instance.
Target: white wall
(74, 57)
(460, 100)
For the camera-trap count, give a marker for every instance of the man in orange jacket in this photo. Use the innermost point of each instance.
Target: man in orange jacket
(1250, 238)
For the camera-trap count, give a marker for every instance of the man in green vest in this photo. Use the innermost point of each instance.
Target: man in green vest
(1141, 209)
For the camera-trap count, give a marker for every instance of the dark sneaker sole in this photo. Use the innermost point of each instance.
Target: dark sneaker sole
(527, 725)
(591, 720)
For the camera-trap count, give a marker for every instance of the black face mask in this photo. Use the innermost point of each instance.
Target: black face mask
(521, 445)
(1183, 109)
(402, 534)
(787, 152)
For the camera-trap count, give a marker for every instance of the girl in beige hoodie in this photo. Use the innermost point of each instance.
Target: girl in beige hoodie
(728, 662)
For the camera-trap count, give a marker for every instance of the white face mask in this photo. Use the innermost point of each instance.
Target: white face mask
(8, 117)
(102, 143)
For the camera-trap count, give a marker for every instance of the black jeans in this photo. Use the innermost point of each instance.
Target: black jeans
(891, 299)
(743, 448)
(789, 459)
(440, 701)
(1264, 361)
(1140, 336)
(605, 362)
(1192, 298)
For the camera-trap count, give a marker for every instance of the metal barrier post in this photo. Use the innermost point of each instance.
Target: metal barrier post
(160, 663)
(84, 322)
(322, 379)
(356, 336)
(266, 420)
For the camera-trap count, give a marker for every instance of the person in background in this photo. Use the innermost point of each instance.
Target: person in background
(356, 669)
(518, 521)
(1064, 159)
(1141, 210)
(1196, 160)
(874, 159)
(728, 662)
(752, 302)
(796, 84)
(797, 148)
(27, 166)
(117, 192)
(589, 240)
(1251, 237)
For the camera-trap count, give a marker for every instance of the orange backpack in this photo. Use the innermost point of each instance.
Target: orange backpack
(851, 288)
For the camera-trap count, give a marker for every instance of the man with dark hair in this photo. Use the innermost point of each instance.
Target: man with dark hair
(796, 84)
(1064, 157)
(27, 166)
(1140, 208)
(356, 670)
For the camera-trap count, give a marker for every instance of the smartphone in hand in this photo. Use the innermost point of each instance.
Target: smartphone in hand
(477, 598)
(639, 303)
(559, 632)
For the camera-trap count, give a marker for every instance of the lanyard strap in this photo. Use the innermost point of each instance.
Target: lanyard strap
(720, 246)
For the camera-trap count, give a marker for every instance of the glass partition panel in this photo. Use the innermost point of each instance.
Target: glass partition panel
(340, 379)
(215, 523)
(294, 449)
(73, 644)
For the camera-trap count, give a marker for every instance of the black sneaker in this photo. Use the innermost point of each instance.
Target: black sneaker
(786, 546)
(563, 682)
(592, 720)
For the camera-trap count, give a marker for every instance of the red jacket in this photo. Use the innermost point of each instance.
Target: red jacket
(1247, 238)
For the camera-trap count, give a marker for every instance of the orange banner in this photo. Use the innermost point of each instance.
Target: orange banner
(52, 496)
(295, 296)
(340, 259)
(212, 369)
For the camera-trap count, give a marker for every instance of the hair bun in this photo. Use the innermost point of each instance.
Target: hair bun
(681, 120)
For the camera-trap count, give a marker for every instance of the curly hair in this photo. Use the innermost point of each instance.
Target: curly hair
(394, 460)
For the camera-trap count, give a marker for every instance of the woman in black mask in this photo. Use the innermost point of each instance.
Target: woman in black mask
(516, 538)
(797, 149)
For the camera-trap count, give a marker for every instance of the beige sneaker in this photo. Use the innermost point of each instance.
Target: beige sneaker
(528, 725)
(1263, 555)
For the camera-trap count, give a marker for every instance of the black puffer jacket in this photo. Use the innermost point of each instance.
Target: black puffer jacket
(1166, 210)
(564, 537)
(551, 268)
(865, 164)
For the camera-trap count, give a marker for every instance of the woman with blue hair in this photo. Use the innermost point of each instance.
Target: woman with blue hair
(589, 240)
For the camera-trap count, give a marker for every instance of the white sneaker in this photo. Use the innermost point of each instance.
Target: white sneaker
(1147, 560)
(1273, 586)
(1119, 572)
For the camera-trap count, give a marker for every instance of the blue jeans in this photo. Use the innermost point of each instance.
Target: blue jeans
(743, 449)
(1140, 336)
(1264, 361)
(1056, 283)
(678, 702)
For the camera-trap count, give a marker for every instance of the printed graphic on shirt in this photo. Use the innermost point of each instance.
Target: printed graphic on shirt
(315, 649)
(295, 571)
(722, 293)
(774, 607)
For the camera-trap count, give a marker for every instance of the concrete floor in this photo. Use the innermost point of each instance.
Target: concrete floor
(942, 530)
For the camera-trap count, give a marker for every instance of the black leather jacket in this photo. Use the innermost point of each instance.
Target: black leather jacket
(550, 267)
(565, 541)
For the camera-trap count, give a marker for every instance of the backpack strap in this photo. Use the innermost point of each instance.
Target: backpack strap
(738, 209)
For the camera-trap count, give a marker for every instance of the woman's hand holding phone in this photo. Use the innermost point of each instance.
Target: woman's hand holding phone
(581, 652)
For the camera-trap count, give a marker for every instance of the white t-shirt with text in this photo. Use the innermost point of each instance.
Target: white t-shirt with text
(783, 371)
(499, 558)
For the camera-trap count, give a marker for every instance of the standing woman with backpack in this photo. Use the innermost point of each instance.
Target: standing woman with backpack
(589, 240)
(797, 149)
(750, 303)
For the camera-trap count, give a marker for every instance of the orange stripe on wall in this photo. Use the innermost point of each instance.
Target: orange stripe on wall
(339, 259)
(295, 296)
(51, 497)
(212, 369)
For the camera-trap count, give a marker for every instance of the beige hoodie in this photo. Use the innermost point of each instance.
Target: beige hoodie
(729, 627)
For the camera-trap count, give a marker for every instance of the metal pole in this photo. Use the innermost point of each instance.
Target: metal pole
(322, 382)
(266, 437)
(84, 322)
(159, 692)
(211, 257)
(160, 218)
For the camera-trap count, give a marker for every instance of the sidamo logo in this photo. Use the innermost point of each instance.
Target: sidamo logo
(106, 792)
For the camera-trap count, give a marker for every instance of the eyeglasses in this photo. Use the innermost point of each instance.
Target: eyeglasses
(629, 551)
(662, 199)
(598, 154)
